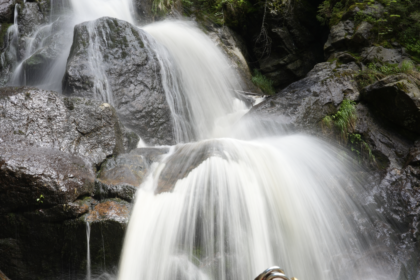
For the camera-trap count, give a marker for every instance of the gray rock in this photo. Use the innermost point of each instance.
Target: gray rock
(340, 35)
(31, 176)
(29, 20)
(382, 54)
(304, 103)
(144, 9)
(7, 8)
(389, 147)
(83, 127)
(396, 98)
(342, 57)
(128, 76)
(363, 36)
(122, 175)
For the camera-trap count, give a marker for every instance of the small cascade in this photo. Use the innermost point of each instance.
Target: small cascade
(88, 269)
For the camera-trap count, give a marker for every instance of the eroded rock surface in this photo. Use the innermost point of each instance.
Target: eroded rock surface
(38, 118)
(127, 75)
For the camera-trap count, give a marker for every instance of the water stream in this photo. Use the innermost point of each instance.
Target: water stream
(231, 198)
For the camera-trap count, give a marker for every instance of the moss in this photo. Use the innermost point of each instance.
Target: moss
(402, 86)
(261, 81)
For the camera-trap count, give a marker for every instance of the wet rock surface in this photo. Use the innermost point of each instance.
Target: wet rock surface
(128, 76)
(38, 118)
(33, 243)
(304, 103)
(49, 149)
(192, 155)
(120, 175)
(33, 176)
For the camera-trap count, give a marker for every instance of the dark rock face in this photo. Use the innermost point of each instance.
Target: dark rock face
(289, 48)
(128, 76)
(33, 117)
(6, 10)
(53, 177)
(396, 98)
(304, 103)
(389, 147)
(54, 247)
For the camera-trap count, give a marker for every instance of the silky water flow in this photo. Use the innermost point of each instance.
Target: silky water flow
(233, 197)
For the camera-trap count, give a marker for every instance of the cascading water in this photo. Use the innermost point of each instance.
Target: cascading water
(226, 208)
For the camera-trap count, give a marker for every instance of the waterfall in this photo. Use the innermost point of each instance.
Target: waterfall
(88, 269)
(233, 197)
(227, 208)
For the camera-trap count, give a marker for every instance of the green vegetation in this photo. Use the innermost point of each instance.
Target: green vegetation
(343, 123)
(374, 72)
(40, 199)
(393, 20)
(261, 81)
(344, 120)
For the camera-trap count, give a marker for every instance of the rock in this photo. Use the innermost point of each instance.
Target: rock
(63, 245)
(144, 9)
(413, 157)
(127, 76)
(362, 37)
(38, 118)
(130, 139)
(60, 212)
(287, 48)
(342, 57)
(374, 54)
(396, 98)
(192, 155)
(30, 18)
(122, 175)
(387, 144)
(340, 35)
(122, 191)
(304, 103)
(47, 46)
(235, 49)
(7, 8)
(31, 176)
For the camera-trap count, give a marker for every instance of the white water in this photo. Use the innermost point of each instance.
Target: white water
(243, 205)
(88, 270)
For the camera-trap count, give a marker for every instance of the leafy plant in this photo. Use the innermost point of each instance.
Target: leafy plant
(261, 81)
(40, 199)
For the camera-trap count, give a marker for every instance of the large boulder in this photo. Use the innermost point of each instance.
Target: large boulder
(383, 55)
(78, 126)
(118, 67)
(396, 98)
(31, 176)
(305, 103)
